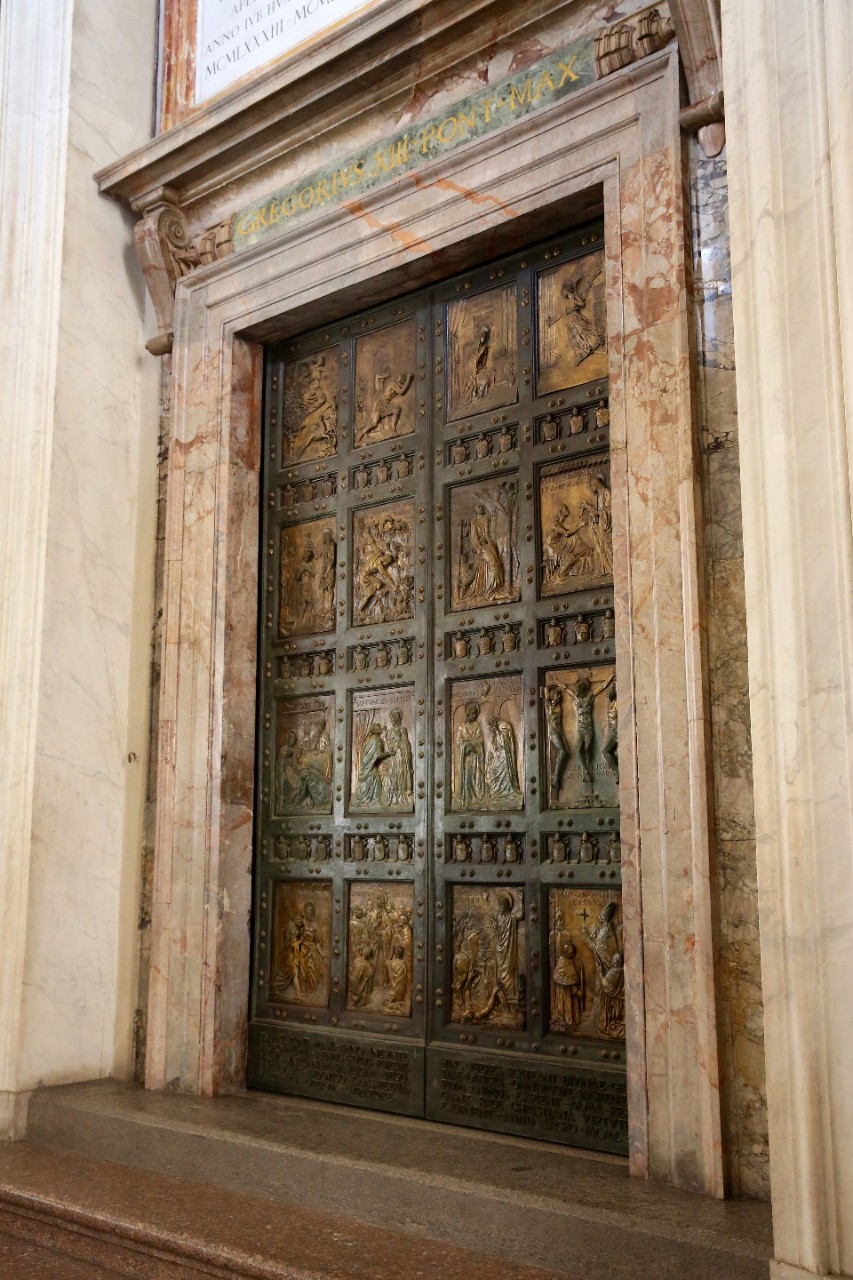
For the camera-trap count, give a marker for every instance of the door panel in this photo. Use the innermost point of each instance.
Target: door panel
(437, 925)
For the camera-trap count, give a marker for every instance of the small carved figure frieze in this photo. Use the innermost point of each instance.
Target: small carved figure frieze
(488, 759)
(378, 847)
(489, 956)
(385, 654)
(303, 666)
(598, 630)
(307, 556)
(380, 964)
(297, 492)
(487, 444)
(483, 641)
(598, 847)
(303, 758)
(482, 347)
(303, 847)
(301, 927)
(577, 526)
(484, 847)
(382, 770)
(485, 566)
(582, 745)
(572, 324)
(587, 968)
(310, 418)
(383, 577)
(372, 474)
(385, 362)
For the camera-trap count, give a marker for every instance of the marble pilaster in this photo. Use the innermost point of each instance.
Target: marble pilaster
(790, 143)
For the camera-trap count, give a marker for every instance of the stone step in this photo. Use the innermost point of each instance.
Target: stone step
(573, 1214)
(87, 1219)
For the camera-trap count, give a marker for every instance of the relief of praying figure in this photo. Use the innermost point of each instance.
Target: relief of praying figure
(603, 942)
(300, 785)
(502, 761)
(568, 982)
(389, 390)
(471, 759)
(487, 579)
(400, 776)
(482, 380)
(578, 542)
(371, 754)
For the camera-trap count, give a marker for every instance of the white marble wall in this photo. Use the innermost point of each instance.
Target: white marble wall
(81, 563)
(788, 85)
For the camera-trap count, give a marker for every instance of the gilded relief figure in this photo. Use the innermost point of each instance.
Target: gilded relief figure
(577, 528)
(587, 968)
(484, 543)
(482, 346)
(380, 952)
(303, 763)
(486, 771)
(489, 956)
(382, 775)
(299, 971)
(307, 556)
(572, 324)
(581, 737)
(383, 579)
(310, 418)
(384, 373)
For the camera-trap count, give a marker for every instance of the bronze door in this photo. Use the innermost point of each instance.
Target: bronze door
(437, 926)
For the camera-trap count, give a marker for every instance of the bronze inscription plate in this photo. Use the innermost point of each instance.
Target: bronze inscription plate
(305, 733)
(384, 395)
(484, 564)
(487, 767)
(381, 956)
(302, 916)
(383, 577)
(307, 556)
(382, 773)
(481, 352)
(582, 742)
(576, 527)
(310, 417)
(586, 963)
(489, 956)
(572, 324)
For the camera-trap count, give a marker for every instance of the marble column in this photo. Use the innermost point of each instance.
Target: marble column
(788, 72)
(77, 504)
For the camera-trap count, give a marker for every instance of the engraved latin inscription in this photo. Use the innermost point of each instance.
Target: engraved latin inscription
(485, 567)
(482, 347)
(384, 373)
(487, 767)
(310, 420)
(380, 951)
(382, 770)
(572, 324)
(303, 763)
(300, 955)
(577, 527)
(586, 963)
(489, 956)
(307, 578)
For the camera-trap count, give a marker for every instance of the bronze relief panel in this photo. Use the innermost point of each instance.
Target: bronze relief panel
(487, 768)
(484, 568)
(586, 963)
(385, 363)
(382, 770)
(482, 352)
(310, 412)
(307, 556)
(380, 953)
(581, 737)
(489, 956)
(301, 929)
(305, 734)
(576, 526)
(383, 588)
(572, 320)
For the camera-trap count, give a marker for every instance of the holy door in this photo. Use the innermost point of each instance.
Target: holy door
(438, 925)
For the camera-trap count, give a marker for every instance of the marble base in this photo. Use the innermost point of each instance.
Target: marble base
(786, 1271)
(14, 1110)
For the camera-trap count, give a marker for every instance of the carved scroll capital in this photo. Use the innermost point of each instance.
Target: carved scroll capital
(622, 43)
(167, 252)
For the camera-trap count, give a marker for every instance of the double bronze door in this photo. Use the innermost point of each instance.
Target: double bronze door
(437, 924)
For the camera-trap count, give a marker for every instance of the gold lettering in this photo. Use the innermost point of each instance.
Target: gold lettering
(543, 82)
(301, 198)
(356, 172)
(245, 225)
(487, 109)
(568, 73)
(288, 213)
(442, 128)
(380, 162)
(426, 138)
(471, 120)
(275, 212)
(517, 99)
(322, 191)
(400, 152)
(262, 217)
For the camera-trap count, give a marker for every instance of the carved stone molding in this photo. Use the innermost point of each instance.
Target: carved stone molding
(621, 43)
(167, 253)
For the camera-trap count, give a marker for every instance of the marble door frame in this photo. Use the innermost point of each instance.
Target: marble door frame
(615, 145)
